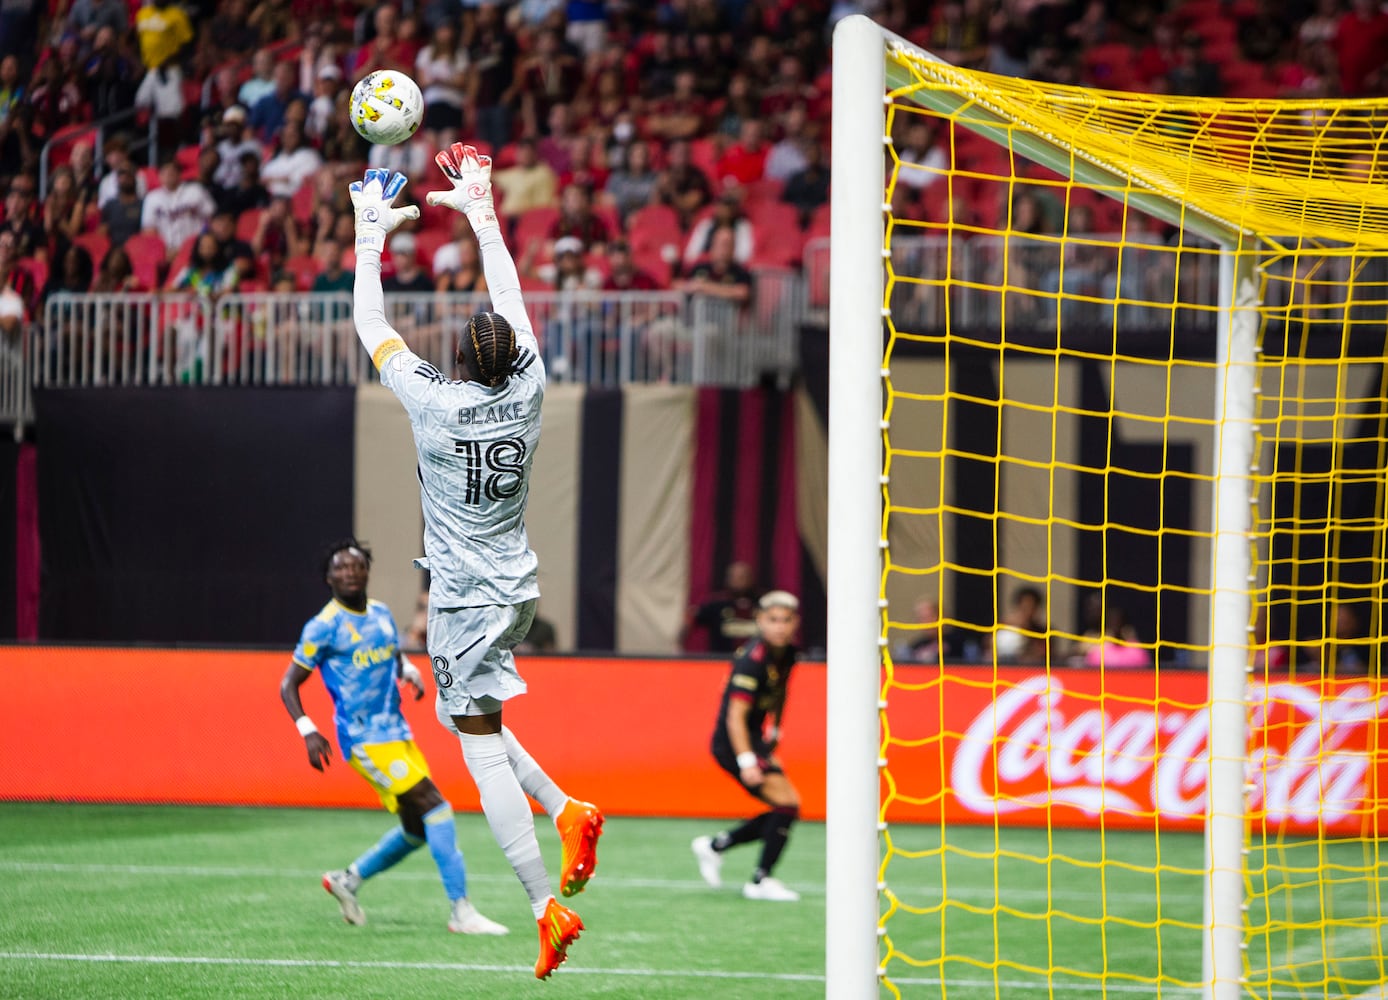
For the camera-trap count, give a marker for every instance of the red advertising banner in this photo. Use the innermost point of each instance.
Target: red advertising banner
(1069, 747)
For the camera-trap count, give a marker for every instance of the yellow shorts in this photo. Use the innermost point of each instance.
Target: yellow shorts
(392, 768)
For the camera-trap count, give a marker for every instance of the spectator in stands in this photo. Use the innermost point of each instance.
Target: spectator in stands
(528, 183)
(319, 59)
(19, 150)
(548, 76)
(576, 219)
(22, 218)
(808, 189)
(235, 143)
(73, 273)
(117, 274)
(274, 19)
(726, 618)
(58, 94)
(389, 48)
(744, 162)
(331, 277)
(1322, 26)
(408, 275)
(292, 164)
(727, 214)
(229, 34)
(1262, 32)
(208, 272)
(623, 275)
(121, 217)
(959, 33)
(633, 184)
(1349, 651)
(925, 641)
(739, 104)
(682, 114)
(787, 154)
(12, 315)
(660, 63)
(14, 278)
(112, 76)
(177, 210)
(719, 275)
(1192, 74)
(1021, 637)
(267, 115)
(164, 32)
(277, 237)
(587, 164)
(248, 193)
(1361, 47)
(12, 88)
(326, 88)
(1117, 647)
(682, 185)
(85, 17)
(65, 208)
(83, 169)
(261, 81)
(441, 70)
(161, 94)
(553, 146)
(567, 272)
(603, 100)
(492, 84)
(457, 265)
(117, 154)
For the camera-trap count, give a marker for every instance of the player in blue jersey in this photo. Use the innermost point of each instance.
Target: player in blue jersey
(475, 436)
(353, 643)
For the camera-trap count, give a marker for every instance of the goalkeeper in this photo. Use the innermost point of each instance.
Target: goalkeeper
(354, 644)
(475, 438)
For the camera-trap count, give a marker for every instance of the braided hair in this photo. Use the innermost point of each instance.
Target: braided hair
(489, 344)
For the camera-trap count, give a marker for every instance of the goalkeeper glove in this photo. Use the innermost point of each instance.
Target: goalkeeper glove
(471, 175)
(371, 203)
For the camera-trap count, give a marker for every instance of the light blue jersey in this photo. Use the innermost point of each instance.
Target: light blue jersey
(356, 654)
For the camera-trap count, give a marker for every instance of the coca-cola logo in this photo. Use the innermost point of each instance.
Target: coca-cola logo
(1033, 748)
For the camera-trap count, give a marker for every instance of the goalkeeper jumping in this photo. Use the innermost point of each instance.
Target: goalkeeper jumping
(475, 438)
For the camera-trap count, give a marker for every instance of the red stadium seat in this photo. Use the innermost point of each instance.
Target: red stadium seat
(248, 222)
(96, 244)
(533, 225)
(304, 268)
(146, 251)
(302, 203)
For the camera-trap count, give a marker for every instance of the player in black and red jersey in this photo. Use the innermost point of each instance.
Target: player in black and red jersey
(744, 744)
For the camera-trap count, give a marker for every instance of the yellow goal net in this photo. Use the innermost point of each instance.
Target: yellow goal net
(1119, 466)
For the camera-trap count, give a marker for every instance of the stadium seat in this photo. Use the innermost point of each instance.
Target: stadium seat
(1110, 66)
(249, 221)
(62, 141)
(304, 268)
(302, 202)
(531, 226)
(180, 258)
(96, 244)
(426, 244)
(146, 252)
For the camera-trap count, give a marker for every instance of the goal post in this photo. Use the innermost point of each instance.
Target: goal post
(1124, 356)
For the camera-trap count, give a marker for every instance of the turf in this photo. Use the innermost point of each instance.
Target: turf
(164, 901)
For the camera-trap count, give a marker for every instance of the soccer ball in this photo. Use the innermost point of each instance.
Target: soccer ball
(387, 107)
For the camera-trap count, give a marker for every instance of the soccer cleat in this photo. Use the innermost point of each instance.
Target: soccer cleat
(466, 920)
(770, 890)
(580, 826)
(710, 861)
(559, 928)
(344, 885)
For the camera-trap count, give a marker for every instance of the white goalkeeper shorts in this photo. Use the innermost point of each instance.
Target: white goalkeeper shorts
(470, 651)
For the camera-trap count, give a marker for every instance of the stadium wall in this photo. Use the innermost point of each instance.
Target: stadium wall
(1125, 749)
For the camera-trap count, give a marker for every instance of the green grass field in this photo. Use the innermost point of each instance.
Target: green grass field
(162, 902)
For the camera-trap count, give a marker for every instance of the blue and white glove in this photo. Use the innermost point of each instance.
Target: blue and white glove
(371, 203)
(471, 175)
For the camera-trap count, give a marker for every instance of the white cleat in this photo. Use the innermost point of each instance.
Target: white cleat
(466, 920)
(770, 890)
(710, 861)
(344, 885)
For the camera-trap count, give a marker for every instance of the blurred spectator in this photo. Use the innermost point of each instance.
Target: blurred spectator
(1267, 655)
(111, 74)
(22, 219)
(332, 276)
(457, 264)
(576, 219)
(205, 171)
(492, 86)
(1021, 638)
(528, 183)
(553, 146)
(85, 17)
(739, 104)
(1117, 647)
(164, 30)
(660, 65)
(787, 155)
(116, 153)
(567, 272)
(261, 80)
(923, 158)
(177, 210)
(924, 644)
(267, 115)
(719, 275)
(247, 193)
(682, 185)
(1159, 56)
(1322, 26)
(83, 169)
(633, 184)
(73, 272)
(1361, 47)
(959, 33)
(230, 34)
(414, 158)
(277, 238)
(744, 161)
(122, 216)
(323, 106)
(14, 278)
(340, 144)
(727, 618)
(603, 101)
(274, 19)
(1349, 650)
(682, 114)
(58, 93)
(389, 48)
(1192, 75)
(233, 145)
(117, 274)
(12, 315)
(208, 272)
(11, 86)
(1263, 33)
(441, 70)
(65, 208)
(549, 75)
(808, 189)
(292, 163)
(587, 25)
(161, 94)
(319, 59)
(727, 214)
(587, 164)
(230, 246)
(19, 149)
(408, 276)
(623, 275)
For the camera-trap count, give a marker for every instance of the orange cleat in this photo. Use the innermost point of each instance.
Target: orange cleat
(559, 928)
(580, 826)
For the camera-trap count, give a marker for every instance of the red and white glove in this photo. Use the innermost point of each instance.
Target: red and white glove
(471, 174)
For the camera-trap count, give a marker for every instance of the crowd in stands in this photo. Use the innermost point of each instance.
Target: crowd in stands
(675, 144)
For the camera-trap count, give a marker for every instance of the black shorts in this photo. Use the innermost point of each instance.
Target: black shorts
(727, 760)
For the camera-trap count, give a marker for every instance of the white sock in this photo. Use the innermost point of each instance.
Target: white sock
(538, 785)
(508, 814)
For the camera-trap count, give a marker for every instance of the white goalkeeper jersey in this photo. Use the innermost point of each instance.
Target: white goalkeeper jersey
(475, 444)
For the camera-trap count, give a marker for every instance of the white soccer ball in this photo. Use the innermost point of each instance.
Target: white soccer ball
(387, 107)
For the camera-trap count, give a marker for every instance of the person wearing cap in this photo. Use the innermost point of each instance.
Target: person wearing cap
(744, 744)
(408, 275)
(234, 144)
